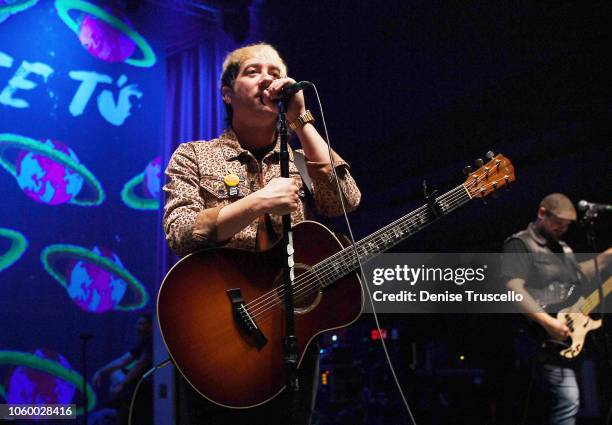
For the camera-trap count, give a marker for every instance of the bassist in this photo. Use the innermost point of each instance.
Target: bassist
(541, 263)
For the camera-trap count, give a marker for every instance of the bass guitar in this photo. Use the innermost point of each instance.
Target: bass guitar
(220, 310)
(576, 318)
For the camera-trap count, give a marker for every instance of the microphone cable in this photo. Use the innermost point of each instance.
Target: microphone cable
(363, 276)
(140, 381)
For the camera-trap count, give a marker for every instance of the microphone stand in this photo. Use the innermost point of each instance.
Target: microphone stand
(588, 221)
(290, 340)
(85, 337)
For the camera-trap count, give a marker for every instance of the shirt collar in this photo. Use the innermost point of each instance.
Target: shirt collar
(232, 149)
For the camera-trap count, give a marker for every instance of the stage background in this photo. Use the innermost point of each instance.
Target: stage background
(411, 90)
(110, 115)
(415, 91)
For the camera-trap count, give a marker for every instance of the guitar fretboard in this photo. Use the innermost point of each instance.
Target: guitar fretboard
(592, 300)
(345, 261)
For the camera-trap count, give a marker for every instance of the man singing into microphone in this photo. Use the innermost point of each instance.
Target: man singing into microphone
(228, 192)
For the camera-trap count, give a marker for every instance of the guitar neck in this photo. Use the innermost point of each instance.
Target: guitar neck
(345, 261)
(592, 300)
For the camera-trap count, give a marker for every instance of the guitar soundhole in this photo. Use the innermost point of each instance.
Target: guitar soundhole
(306, 289)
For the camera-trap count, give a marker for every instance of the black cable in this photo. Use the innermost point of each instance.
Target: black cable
(140, 381)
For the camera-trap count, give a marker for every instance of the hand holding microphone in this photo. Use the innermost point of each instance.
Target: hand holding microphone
(286, 91)
(279, 90)
(289, 90)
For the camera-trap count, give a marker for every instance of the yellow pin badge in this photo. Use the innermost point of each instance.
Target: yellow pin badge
(231, 181)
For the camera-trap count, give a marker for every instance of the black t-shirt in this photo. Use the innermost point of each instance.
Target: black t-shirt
(143, 348)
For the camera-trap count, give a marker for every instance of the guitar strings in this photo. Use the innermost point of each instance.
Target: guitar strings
(305, 287)
(593, 300)
(307, 284)
(322, 267)
(326, 265)
(311, 284)
(326, 269)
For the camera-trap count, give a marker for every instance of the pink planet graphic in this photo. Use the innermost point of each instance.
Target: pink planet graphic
(105, 32)
(31, 386)
(95, 279)
(45, 180)
(94, 288)
(103, 40)
(48, 171)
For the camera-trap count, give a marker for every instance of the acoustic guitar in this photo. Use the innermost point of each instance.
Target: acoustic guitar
(220, 310)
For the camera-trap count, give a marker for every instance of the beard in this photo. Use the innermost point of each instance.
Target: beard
(548, 234)
(552, 235)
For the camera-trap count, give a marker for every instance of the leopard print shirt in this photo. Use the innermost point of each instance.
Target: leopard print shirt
(195, 191)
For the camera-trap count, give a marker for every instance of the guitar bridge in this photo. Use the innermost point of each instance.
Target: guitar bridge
(244, 319)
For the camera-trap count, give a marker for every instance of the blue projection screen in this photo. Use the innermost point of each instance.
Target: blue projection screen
(81, 99)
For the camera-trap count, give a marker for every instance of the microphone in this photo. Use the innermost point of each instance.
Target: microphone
(291, 89)
(594, 207)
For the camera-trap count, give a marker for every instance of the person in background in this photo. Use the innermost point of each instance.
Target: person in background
(125, 372)
(541, 261)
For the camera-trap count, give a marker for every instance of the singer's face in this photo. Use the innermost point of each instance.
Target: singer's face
(254, 76)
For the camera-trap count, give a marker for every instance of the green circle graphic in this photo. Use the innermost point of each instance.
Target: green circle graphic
(19, 358)
(16, 141)
(53, 253)
(64, 6)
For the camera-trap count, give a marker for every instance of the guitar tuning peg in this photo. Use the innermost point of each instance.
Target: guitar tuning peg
(467, 170)
(490, 155)
(479, 163)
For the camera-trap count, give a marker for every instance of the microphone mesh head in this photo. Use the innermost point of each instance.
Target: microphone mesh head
(583, 205)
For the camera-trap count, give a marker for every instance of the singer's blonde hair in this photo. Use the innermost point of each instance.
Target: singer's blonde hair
(234, 59)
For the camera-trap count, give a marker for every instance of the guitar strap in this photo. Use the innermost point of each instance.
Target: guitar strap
(570, 258)
(300, 162)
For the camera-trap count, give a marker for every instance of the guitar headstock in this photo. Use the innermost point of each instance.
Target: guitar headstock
(489, 177)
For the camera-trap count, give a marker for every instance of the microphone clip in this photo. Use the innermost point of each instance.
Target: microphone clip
(589, 216)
